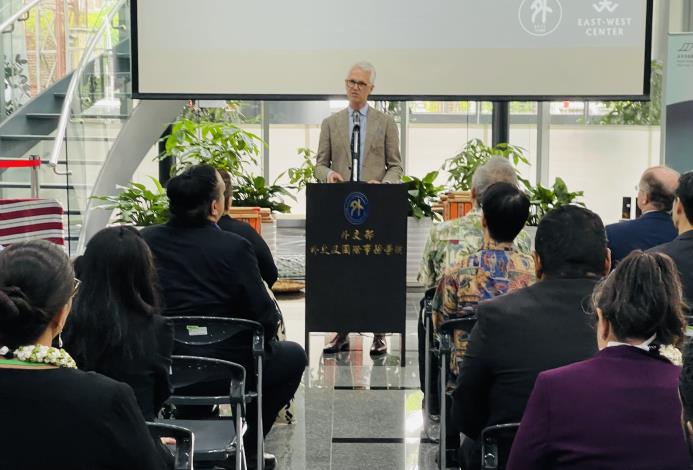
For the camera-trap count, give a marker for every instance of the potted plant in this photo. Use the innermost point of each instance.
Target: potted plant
(300, 176)
(421, 195)
(542, 199)
(461, 167)
(137, 205)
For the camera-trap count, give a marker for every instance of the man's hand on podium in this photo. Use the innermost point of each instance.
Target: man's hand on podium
(334, 177)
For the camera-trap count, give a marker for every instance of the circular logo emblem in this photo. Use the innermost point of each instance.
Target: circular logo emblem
(540, 17)
(356, 208)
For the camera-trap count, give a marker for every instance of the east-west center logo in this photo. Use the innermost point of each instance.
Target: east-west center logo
(356, 208)
(540, 17)
(607, 5)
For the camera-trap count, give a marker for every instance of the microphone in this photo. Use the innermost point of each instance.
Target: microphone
(356, 146)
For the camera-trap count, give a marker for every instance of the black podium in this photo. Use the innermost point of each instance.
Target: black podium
(356, 251)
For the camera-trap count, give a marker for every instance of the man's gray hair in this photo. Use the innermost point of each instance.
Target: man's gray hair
(367, 67)
(496, 170)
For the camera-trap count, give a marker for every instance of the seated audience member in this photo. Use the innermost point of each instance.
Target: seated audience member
(620, 409)
(681, 248)
(454, 239)
(495, 269)
(265, 261)
(54, 415)
(115, 327)
(522, 333)
(206, 271)
(654, 226)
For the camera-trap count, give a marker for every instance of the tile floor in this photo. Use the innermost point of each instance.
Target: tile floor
(354, 412)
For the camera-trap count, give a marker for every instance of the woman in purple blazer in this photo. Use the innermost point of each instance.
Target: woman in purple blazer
(620, 409)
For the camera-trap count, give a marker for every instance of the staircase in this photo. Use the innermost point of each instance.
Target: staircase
(73, 122)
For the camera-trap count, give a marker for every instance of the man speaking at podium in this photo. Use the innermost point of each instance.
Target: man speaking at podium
(367, 139)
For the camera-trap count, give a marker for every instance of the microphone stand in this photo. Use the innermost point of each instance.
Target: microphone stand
(355, 148)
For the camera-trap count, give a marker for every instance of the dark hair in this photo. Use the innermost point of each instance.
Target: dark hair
(36, 282)
(191, 193)
(643, 296)
(506, 209)
(685, 194)
(118, 288)
(228, 188)
(571, 242)
(660, 197)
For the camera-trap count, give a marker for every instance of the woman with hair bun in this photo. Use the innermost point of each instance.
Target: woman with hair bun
(620, 409)
(53, 415)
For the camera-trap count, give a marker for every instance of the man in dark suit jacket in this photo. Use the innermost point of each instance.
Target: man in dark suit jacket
(265, 261)
(681, 248)
(533, 329)
(654, 226)
(206, 271)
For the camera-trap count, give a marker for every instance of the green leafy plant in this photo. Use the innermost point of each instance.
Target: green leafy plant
(640, 113)
(138, 205)
(253, 191)
(299, 177)
(542, 199)
(475, 153)
(223, 145)
(422, 192)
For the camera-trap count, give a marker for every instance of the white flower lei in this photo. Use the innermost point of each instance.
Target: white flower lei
(45, 355)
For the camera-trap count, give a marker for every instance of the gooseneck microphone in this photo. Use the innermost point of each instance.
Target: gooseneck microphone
(356, 147)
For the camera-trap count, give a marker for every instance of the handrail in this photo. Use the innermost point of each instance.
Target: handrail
(72, 87)
(8, 22)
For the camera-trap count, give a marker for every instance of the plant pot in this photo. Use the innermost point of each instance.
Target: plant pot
(417, 234)
(269, 233)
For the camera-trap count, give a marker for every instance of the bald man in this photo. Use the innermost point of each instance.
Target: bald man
(654, 227)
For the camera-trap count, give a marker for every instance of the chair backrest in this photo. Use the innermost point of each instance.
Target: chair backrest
(185, 442)
(496, 442)
(464, 324)
(205, 330)
(191, 370)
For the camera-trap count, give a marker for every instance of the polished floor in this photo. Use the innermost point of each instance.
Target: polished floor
(353, 411)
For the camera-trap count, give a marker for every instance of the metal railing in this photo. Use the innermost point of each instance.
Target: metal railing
(77, 78)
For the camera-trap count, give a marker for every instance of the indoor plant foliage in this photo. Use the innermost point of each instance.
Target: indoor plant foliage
(254, 191)
(422, 192)
(638, 113)
(542, 199)
(138, 205)
(300, 176)
(475, 153)
(223, 145)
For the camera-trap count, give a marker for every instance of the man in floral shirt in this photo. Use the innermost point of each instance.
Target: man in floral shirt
(494, 270)
(452, 240)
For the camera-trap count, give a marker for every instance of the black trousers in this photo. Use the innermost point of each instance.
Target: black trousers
(283, 368)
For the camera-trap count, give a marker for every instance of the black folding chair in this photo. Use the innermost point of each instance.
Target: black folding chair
(185, 442)
(216, 439)
(445, 351)
(427, 318)
(204, 331)
(496, 442)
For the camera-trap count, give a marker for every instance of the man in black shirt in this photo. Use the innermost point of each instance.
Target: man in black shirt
(206, 271)
(268, 269)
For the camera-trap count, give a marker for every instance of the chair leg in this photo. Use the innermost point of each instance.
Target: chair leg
(427, 366)
(240, 451)
(443, 410)
(260, 436)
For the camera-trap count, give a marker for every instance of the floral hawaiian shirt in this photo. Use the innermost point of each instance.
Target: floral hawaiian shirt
(452, 240)
(492, 271)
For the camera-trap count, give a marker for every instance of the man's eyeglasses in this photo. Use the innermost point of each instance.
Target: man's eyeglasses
(356, 84)
(75, 288)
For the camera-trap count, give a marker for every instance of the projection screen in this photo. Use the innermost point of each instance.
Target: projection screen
(422, 49)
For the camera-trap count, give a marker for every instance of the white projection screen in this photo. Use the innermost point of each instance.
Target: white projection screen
(422, 49)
